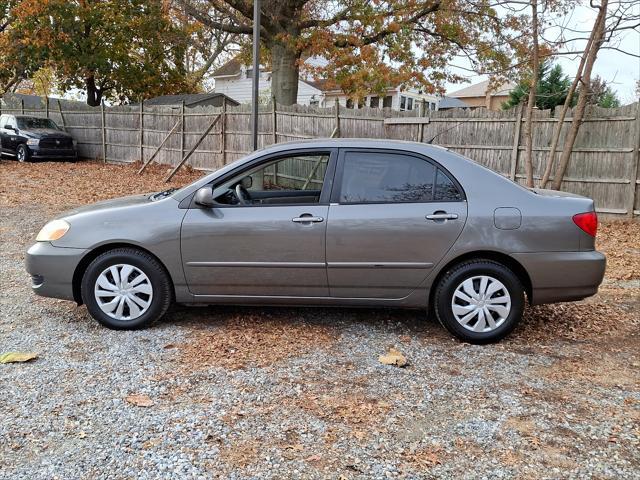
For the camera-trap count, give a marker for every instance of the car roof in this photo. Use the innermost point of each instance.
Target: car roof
(355, 143)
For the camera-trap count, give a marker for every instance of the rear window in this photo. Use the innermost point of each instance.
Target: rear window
(446, 190)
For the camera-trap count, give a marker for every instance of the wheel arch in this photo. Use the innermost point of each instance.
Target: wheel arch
(99, 250)
(499, 257)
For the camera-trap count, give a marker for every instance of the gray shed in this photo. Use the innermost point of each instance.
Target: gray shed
(192, 100)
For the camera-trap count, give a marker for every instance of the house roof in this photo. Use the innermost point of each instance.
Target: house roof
(188, 98)
(232, 67)
(449, 102)
(480, 90)
(322, 84)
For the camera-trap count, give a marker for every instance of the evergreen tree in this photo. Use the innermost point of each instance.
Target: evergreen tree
(553, 86)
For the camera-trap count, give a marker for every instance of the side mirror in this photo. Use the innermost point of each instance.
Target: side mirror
(10, 127)
(204, 197)
(247, 182)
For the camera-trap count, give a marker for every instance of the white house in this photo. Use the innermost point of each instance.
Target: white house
(234, 80)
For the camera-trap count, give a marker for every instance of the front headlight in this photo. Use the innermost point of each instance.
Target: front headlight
(33, 141)
(53, 230)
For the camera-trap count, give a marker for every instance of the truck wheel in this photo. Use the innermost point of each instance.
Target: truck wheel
(22, 153)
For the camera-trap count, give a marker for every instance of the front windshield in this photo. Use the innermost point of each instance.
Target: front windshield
(27, 123)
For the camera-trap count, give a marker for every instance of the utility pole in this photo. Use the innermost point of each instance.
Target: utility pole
(256, 73)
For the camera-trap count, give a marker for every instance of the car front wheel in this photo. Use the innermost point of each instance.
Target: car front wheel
(479, 301)
(126, 289)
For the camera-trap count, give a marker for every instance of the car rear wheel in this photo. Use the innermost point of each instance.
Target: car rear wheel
(479, 301)
(126, 289)
(22, 153)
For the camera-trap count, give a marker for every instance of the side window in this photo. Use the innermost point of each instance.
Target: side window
(446, 191)
(289, 180)
(3, 121)
(371, 177)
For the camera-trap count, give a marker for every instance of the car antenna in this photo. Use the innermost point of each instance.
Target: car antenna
(443, 131)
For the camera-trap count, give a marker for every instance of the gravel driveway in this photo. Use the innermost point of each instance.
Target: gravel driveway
(300, 393)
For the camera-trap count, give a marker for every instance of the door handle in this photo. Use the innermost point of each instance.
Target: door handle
(307, 219)
(442, 216)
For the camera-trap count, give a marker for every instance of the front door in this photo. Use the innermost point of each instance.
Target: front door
(393, 217)
(266, 234)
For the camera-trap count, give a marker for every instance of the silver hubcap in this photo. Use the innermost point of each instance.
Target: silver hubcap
(123, 292)
(481, 304)
(21, 155)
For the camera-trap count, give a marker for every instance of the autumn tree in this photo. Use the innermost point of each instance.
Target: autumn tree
(116, 48)
(19, 57)
(368, 46)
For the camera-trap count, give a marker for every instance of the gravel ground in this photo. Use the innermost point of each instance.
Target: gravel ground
(300, 393)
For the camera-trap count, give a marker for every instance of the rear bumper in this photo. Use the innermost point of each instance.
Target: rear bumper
(52, 268)
(563, 276)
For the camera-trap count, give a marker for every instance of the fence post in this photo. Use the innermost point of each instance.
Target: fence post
(141, 145)
(635, 159)
(46, 106)
(274, 119)
(337, 129)
(223, 131)
(421, 125)
(64, 126)
(22, 106)
(182, 129)
(516, 143)
(104, 132)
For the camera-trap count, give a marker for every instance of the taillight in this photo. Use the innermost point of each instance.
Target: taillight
(587, 221)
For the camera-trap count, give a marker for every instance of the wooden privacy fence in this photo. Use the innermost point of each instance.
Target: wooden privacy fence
(604, 162)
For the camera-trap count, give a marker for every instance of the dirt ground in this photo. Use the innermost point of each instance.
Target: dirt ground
(299, 393)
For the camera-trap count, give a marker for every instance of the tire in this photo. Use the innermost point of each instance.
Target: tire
(22, 153)
(144, 300)
(463, 314)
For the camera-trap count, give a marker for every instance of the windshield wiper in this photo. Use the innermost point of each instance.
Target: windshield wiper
(163, 194)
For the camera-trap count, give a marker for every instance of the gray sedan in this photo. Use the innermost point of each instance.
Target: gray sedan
(329, 222)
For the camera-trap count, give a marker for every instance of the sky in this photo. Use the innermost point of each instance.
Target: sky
(619, 70)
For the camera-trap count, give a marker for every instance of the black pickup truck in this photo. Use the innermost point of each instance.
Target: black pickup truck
(26, 138)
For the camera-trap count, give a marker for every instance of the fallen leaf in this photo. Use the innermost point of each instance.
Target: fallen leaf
(313, 458)
(140, 400)
(15, 357)
(393, 357)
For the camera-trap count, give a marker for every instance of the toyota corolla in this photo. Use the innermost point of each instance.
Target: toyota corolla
(329, 222)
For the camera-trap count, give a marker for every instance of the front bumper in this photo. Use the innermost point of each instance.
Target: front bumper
(563, 276)
(38, 152)
(52, 268)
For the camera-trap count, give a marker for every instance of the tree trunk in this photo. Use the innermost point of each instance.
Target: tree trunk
(596, 38)
(284, 76)
(94, 94)
(563, 113)
(531, 102)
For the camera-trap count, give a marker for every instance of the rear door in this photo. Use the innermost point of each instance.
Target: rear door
(393, 216)
(266, 234)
